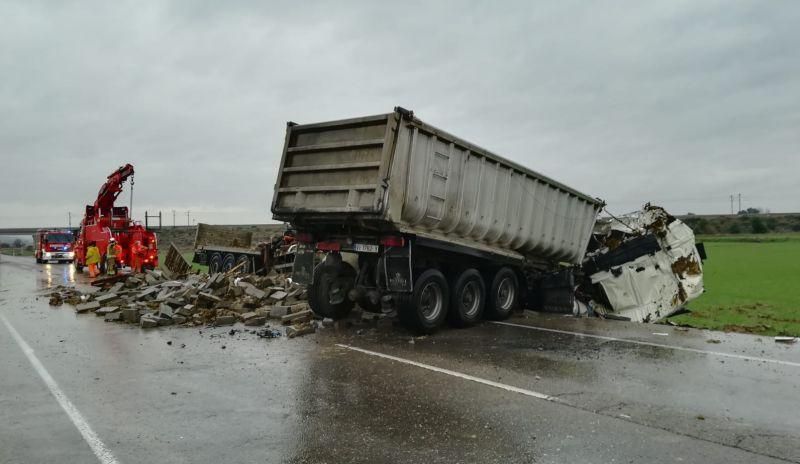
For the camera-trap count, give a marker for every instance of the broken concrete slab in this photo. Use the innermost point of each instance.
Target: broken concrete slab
(106, 297)
(130, 315)
(115, 316)
(148, 322)
(165, 311)
(300, 316)
(225, 320)
(255, 292)
(302, 329)
(105, 310)
(256, 321)
(296, 308)
(279, 295)
(179, 319)
(90, 306)
(278, 312)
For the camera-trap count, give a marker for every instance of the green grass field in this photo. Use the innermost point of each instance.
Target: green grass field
(751, 285)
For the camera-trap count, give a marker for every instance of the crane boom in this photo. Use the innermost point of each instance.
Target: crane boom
(111, 189)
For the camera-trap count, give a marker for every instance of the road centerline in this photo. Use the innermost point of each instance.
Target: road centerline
(654, 344)
(100, 450)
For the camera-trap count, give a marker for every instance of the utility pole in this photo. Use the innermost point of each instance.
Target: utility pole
(173, 218)
(740, 202)
(187, 219)
(69, 214)
(731, 203)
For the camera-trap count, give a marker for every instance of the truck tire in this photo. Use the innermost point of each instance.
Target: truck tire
(503, 296)
(328, 294)
(468, 299)
(245, 269)
(426, 309)
(214, 263)
(228, 262)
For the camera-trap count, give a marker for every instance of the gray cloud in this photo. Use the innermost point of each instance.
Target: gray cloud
(681, 103)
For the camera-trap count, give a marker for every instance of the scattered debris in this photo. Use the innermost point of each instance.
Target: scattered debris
(786, 339)
(156, 299)
(713, 340)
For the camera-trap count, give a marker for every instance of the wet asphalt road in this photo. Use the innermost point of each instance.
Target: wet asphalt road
(492, 393)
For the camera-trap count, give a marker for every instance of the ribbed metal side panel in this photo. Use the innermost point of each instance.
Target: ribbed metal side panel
(473, 195)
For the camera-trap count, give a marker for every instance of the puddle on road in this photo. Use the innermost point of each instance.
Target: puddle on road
(56, 274)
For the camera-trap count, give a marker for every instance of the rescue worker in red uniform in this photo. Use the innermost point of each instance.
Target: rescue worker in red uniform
(137, 259)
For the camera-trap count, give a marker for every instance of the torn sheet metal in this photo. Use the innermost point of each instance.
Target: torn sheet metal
(647, 265)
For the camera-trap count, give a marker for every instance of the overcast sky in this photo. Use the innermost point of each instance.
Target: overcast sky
(681, 103)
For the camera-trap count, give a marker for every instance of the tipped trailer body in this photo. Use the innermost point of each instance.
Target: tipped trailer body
(438, 227)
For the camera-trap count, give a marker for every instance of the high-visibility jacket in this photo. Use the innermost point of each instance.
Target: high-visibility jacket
(113, 250)
(92, 255)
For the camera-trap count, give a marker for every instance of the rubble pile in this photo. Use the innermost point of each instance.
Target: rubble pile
(152, 300)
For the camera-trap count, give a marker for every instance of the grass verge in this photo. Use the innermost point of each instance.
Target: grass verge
(751, 286)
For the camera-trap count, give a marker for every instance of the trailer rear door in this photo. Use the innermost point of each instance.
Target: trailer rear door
(335, 167)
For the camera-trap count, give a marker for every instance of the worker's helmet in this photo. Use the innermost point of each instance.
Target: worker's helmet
(112, 240)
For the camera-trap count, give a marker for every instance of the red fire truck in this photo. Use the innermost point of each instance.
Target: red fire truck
(53, 245)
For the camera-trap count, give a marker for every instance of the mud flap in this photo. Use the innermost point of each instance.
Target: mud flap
(303, 267)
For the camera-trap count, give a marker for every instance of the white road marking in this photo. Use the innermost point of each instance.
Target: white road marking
(658, 345)
(103, 454)
(460, 375)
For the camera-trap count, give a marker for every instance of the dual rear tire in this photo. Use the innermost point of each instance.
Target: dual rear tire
(463, 303)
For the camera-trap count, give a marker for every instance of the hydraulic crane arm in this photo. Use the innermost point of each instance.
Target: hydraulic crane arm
(111, 189)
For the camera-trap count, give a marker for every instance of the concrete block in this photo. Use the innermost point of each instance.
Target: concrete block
(250, 315)
(263, 311)
(148, 322)
(256, 321)
(165, 311)
(165, 321)
(177, 319)
(254, 292)
(279, 295)
(296, 308)
(130, 315)
(225, 320)
(90, 306)
(301, 316)
(106, 297)
(278, 312)
(298, 330)
(105, 310)
(114, 317)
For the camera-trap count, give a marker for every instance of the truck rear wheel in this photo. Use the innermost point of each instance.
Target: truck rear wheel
(468, 299)
(503, 294)
(228, 262)
(215, 263)
(245, 269)
(426, 309)
(328, 295)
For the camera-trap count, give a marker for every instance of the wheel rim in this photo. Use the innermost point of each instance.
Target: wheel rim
(430, 301)
(470, 299)
(336, 291)
(245, 269)
(506, 292)
(228, 262)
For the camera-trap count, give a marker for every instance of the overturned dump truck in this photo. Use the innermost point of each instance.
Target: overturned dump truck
(223, 248)
(412, 218)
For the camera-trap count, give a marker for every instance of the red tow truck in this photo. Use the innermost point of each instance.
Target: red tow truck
(103, 220)
(53, 245)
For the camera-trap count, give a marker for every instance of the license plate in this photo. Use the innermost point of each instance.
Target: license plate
(365, 248)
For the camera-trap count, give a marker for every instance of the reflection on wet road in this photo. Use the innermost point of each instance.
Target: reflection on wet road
(210, 396)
